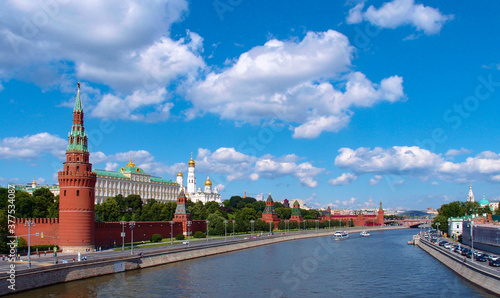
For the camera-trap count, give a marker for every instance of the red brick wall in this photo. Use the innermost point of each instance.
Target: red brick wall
(106, 233)
(49, 227)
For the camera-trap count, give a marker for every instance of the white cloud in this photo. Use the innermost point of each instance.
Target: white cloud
(419, 163)
(33, 146)
(1, 87)
(124, 45)
(351, 201)
(344, 179)
(375, 180)
(293, 81)
(111, 166)
(399, 13)
(239, 166)
(455, 152)
(114, 107)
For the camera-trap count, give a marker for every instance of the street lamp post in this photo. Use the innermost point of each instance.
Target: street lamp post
(233, 227)
(208, 230)
(329, 224)
(471, 241)
(287, 223)
(304, 225)
(225, 230)
(28, 224)
(171, 232)
(132, 225)
(123, 234)
(252, 222)
(270, 222)
(189, 228)
(317, 224)
(437, 228)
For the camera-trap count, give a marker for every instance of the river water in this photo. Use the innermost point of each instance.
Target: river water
(378, 266)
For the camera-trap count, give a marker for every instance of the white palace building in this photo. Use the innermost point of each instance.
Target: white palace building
(133, 180)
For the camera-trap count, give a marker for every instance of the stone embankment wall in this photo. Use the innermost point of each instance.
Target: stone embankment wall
(474, 273)
(45, 276)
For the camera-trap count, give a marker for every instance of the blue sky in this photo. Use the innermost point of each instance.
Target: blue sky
(337, 103)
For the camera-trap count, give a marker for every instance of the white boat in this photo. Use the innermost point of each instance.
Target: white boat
(340, 235)
(364, 234)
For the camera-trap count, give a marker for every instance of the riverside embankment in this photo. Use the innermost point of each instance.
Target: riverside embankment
(49, 275)
(482, 276)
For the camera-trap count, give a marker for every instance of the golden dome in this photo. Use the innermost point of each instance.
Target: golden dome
(208, 182)
(131, 164)
(180, 174)
(191, 161)
(34, 181)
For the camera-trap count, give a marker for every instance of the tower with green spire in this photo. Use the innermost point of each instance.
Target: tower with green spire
(77, 190)
(296, 214)
(269, 214)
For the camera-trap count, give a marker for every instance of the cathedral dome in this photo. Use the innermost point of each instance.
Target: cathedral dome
(208, 182)
(191, 162)
(130, 164)
(484, 202)
(180, 174)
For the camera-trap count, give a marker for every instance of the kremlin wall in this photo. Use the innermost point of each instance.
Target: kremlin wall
(76, 230)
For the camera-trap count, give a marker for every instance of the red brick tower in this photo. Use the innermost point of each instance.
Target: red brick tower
(77, 185)
(269, 213)
(182, 212)
(296, 214)
(380, 216)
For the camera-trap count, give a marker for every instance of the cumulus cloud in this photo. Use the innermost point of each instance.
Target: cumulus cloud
(293, 81)
(375, 180)
(420, 163)
(239, 166)
(456, 152)
(344, 179)
(125, 45)
(33, 146)
(398, 13)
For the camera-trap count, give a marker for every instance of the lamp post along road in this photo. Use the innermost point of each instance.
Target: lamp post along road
(123, 234)
(132, 225)
(252, 222)
(189, 230)
(208, 230)
(270, 227)
(171, 232)
(233, 227)
(29, 223)
(225, 231)
(471, 240)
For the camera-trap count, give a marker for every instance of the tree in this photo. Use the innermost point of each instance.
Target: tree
(155, 238)
(108, 211)
(199, 234)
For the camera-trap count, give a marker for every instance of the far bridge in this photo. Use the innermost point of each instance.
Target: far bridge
(411, 223)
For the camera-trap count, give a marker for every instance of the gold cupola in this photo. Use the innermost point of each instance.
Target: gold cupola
(131, 164)
(191, 161)
(208, 182)
(180, 174)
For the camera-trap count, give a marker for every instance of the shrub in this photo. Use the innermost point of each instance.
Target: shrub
(199, 234)
(156, 238)
(179, 237)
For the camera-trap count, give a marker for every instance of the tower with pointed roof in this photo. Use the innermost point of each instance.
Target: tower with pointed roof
(77, 189)
(470, 196)
(191, 182)
(269, 213)
(296, 214)
(182, 212)
(380, 215)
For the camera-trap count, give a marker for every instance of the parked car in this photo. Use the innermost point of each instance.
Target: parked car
(185, 243)
(495, 263)
(442, 243)
(464, 251)
(493, 257)
(481, 258)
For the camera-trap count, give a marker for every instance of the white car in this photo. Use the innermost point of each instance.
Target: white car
(493, 258)
(185, 243)
(447, 245)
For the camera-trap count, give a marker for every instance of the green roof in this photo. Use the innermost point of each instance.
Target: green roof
(111, 174)
(158, 179)
(78, 102)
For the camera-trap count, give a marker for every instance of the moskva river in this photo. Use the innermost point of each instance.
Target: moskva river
(382, 265)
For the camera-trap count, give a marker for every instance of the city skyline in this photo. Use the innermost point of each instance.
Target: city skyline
(339, 104)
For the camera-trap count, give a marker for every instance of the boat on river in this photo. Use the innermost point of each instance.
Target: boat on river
(364, 234)
(339, 235)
